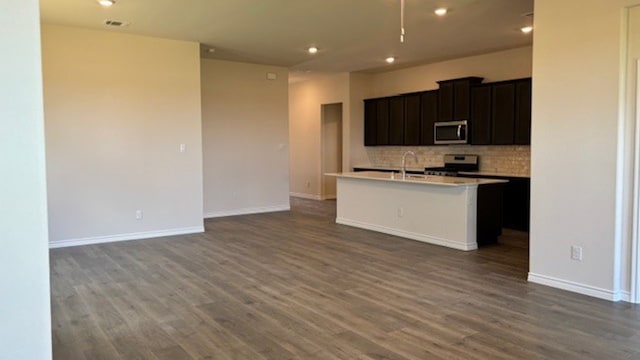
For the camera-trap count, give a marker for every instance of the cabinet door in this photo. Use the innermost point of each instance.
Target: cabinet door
(461, 100)
(503, 114)
(523, 112)
(480, 119)
(412, 119)
(396, 120)
(428, 115)
(445, 101)
(382, 121)
(370, 123)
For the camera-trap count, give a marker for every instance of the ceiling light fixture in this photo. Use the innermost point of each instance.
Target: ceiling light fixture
(106, 3)
(526, 29)
(441, 11)
(313, 50)
(390, 60)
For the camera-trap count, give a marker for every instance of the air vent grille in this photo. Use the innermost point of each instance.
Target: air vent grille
(115, 23)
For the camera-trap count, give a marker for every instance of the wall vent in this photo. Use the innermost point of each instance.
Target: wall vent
(116, 23)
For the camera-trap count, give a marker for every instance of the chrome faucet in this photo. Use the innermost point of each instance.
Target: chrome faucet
(404, 162)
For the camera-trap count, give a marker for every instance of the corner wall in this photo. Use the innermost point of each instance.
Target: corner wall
(25, 325)
(578, 102)
(117, 108)
(245, 129)
(305, 118)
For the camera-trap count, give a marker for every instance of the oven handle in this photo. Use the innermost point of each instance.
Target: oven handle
(459, 131)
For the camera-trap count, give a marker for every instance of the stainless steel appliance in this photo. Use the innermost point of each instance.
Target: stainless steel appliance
(450, 132)
(454, 164)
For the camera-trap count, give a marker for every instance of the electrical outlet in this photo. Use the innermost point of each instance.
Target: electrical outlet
(400, 212)
(576, 252)
(138, 214)
(183, 148)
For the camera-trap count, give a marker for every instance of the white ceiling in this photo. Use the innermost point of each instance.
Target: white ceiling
(352, 35)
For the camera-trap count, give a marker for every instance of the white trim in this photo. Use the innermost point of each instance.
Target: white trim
(247, 211)
(124, 237)
(578, 287)
(305, 196)
(635, 237)
(409, 235)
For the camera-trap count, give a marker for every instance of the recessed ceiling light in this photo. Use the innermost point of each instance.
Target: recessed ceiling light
(390, 60)
(106, 3)
(313, 50)
(441, 11)
(526, 29)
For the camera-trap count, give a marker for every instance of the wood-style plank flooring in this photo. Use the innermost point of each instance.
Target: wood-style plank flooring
(295, 285)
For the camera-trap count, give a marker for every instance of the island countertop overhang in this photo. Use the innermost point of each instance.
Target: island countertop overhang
(417, 179)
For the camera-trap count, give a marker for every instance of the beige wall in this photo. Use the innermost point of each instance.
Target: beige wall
(245, 131)
(502, 65)
(117, 108)
(305, 103)
(578, 121)
(25, 325)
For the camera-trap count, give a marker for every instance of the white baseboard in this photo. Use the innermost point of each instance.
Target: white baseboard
(247, 211)
(406, 234)
(579, 288)
(305, 196)
(625, 296)
(124, 237)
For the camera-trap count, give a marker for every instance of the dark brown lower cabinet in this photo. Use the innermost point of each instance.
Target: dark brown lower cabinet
(515, 201)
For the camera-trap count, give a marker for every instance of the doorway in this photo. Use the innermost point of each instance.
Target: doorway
(331, 148)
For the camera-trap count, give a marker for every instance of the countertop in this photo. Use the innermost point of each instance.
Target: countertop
(417, 179)
(421, 170)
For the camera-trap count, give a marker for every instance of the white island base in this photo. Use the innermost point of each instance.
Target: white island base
(432, 209)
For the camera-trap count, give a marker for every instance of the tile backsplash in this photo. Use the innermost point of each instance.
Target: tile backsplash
(502, 159)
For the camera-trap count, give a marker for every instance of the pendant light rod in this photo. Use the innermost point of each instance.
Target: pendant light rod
(402, 21)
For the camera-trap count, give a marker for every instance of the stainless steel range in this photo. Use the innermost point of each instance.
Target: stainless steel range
(454, 164)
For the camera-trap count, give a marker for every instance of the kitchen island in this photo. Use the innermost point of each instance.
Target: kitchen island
(459, 213)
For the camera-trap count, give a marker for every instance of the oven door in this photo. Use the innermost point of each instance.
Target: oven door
(450, 132)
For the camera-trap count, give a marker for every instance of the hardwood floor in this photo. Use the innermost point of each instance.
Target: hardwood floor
(295, 285)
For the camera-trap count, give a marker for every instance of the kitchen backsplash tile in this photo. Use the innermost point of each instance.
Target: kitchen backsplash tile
(495, 159)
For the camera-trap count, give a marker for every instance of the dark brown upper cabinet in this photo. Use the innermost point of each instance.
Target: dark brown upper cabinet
(396, 120)
(522, 134)
(499, 113)
(370, 127)
(412, 122)
(376, 122)
(454, 98)
(382, 121)
(503, 113)
(428, 115)
(480, 120)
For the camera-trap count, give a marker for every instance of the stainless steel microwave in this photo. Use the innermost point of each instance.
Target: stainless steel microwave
(450, 132)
